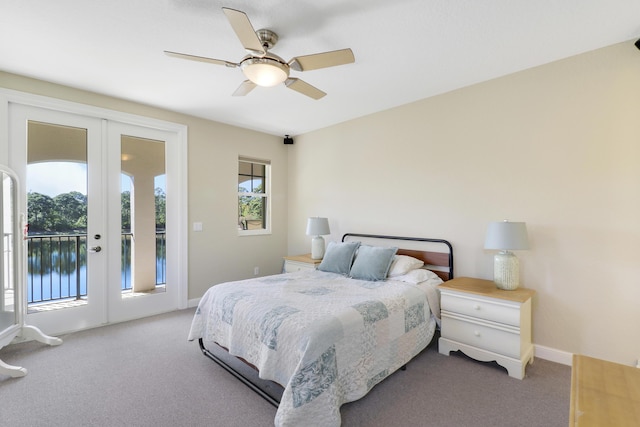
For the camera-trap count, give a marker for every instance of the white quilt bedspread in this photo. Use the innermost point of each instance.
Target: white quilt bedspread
(326, 338)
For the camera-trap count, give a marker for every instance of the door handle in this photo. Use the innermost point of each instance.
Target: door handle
(95, 249)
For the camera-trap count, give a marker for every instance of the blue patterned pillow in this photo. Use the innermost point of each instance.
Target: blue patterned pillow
(338, 257)
(372, 263)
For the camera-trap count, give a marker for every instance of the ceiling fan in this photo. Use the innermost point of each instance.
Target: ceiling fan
(263, 68)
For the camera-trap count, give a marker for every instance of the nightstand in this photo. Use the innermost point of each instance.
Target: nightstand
(300, 262)
(487, 323)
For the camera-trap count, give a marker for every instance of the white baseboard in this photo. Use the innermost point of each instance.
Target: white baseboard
(553, 355)
(193, 302)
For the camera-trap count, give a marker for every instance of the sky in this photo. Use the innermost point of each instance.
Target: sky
(56, 178)
(53, 178)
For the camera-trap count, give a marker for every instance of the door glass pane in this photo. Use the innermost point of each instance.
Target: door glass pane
(143, 197)
(8, 259)
(161, 228)
(126, 184)
(56, 215)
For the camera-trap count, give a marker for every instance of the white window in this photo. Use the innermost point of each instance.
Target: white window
(254, 189)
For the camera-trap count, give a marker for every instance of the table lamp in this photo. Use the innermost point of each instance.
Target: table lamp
(317, 227)
(506, 236)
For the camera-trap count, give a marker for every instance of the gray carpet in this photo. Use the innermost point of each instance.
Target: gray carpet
(145, 373)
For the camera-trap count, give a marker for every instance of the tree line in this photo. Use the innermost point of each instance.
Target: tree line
(67, 213)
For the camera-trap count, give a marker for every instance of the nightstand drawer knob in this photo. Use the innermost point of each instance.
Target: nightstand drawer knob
(476, 333)
(476, 307)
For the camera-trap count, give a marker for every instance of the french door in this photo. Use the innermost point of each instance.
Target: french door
(116, 259)
(140, 166)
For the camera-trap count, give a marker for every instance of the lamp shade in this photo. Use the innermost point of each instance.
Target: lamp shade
(505, 235)
(264, 72)
(317, 226)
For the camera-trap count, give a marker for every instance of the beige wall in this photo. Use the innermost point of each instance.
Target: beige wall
(557, 147)
(216, 254)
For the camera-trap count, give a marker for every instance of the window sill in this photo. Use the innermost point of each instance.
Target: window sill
(253, 232)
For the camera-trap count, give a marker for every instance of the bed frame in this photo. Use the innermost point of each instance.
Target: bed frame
(439, 262)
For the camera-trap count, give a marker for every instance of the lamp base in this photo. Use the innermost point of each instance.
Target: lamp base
(317, 247)
(506, 270)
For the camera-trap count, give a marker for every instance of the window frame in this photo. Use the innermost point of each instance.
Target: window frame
(266, 195)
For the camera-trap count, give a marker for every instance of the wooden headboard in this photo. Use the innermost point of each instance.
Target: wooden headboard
(440, 262)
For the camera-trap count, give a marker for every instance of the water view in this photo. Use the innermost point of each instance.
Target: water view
(57, 266)
(57, 227)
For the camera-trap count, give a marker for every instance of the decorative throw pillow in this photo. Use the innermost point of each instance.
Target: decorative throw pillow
(402, 264)
(338, 257)
(372, 263)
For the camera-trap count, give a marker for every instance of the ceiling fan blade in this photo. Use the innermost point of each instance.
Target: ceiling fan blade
(244, 30)
(244, 88)
(304, 88)
(201, 59)
(322, 60)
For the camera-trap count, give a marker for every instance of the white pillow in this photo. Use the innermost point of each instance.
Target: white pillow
(416, 276)
(402, 264)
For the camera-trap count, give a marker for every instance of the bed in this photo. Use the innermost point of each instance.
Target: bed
(311, 340)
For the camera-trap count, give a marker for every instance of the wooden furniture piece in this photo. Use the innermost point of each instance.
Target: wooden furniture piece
(300, 262)
(603, 393)
(12, 283)
(487, 323)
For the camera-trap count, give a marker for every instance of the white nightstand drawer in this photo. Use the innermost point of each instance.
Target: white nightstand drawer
(291, 266)
(501, 312)
(300, 262)
(482, 336)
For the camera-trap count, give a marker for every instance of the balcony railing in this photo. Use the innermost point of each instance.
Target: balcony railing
(57, 265)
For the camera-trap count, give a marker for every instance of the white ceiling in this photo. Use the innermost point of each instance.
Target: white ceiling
(405, 50)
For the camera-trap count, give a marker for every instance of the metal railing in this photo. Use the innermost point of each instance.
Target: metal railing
(57, 265)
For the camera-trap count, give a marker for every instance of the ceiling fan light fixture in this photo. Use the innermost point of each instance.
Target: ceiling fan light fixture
(265, 72)
(263, 68)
